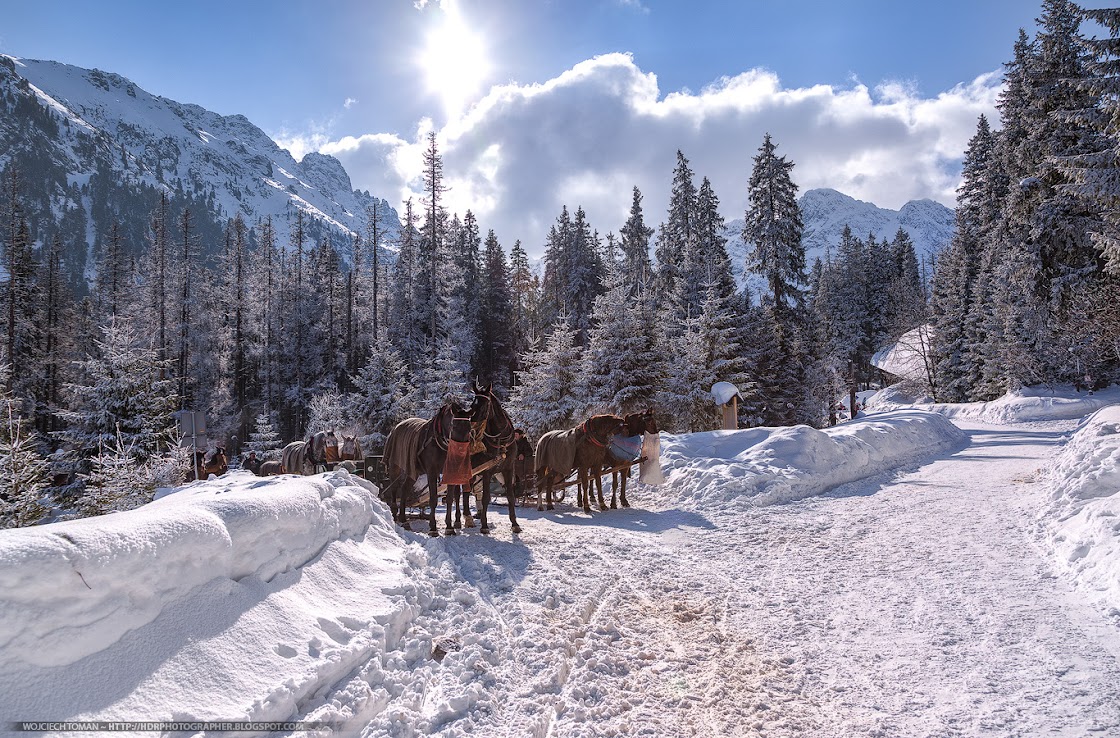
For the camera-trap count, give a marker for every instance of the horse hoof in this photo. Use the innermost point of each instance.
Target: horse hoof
(433, 533)
(484, 531)
(626, 504)
(540, 509)
(451, 532)
(470, 522)
(550, 507)
(516, 528)
(613, 506)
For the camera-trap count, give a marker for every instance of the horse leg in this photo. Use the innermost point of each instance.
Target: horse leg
(433, 500)
(452, 499)
(484, 502)
(583, 482)
(599, 487)
(625, 475)
(468, 488)
(511, 501)
(614, 487)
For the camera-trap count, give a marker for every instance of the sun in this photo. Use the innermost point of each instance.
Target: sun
(454, 60)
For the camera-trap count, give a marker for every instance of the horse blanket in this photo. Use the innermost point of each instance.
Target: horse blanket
(626, 448)
(556, 451)
(457, 466)
(402, 449)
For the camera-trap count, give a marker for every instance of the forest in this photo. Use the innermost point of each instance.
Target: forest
(273, 341)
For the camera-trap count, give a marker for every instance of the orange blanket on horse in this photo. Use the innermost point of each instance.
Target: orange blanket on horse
(457, 467)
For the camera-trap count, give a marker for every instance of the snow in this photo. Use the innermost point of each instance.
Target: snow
(722, 392)
(1081, 523)
(906, 357)
(921, 571)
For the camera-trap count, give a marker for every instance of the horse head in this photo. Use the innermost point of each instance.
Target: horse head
(638, 423)
(350, 448)
(602, 427)
(499, 427)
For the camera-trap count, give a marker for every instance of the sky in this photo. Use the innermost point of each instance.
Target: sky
(538, 104)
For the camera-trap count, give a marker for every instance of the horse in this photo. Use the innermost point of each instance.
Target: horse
(635, 424)
(270, 468)
(207, 463)
(416, 446)
(591, 457)
(350, 449)
(303, 457)
(557, 453)
(498, 441)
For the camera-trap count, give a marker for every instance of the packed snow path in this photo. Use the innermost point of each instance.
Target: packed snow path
(914, 605)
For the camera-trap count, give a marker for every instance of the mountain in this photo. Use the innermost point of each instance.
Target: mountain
(91, 147)
(825, 212)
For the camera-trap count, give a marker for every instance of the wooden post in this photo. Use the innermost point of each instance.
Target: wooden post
(731, 414)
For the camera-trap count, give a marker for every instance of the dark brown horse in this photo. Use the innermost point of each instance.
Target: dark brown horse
(621, 451)
(583, 449)
(207, 463)
(498, 440)
(416, 447)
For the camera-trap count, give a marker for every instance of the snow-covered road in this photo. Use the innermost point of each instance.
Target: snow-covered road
(910, 605)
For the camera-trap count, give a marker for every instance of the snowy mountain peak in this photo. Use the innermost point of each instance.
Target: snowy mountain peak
(825, 212)
(94, 142)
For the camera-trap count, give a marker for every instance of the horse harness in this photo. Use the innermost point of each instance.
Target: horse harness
(591, 436)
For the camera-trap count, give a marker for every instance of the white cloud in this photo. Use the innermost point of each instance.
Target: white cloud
(349, 102)
(587, 136)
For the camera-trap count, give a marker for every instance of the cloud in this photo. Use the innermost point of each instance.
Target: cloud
(635, 4)
(349, 103)
(586, 137)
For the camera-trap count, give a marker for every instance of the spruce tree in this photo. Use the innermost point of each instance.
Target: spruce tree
(637, 271)
(548, 395)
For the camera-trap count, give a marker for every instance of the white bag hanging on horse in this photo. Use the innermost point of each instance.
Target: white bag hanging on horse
(649, 472)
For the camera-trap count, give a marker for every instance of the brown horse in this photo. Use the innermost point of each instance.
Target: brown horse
(270, 468)
(621, 452)
(583, 449)
(498, 440)
(207, 463)
(416, 447)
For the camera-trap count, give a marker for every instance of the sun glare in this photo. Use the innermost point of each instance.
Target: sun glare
(454, 60)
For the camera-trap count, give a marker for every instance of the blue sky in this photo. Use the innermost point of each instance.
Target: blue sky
(876, 98)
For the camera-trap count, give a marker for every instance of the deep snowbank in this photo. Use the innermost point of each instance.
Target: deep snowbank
(1024, 405)
(1082, 521)
(70, 589)
(765, 466)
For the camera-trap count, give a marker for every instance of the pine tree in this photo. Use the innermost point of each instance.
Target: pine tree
(496, 329)
(548, 394)
(675, 238)
(381, 397)
(1096, 173)
(127, 394)
(264, 439)
(637, 271)
(773, 225)
(23, 470)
